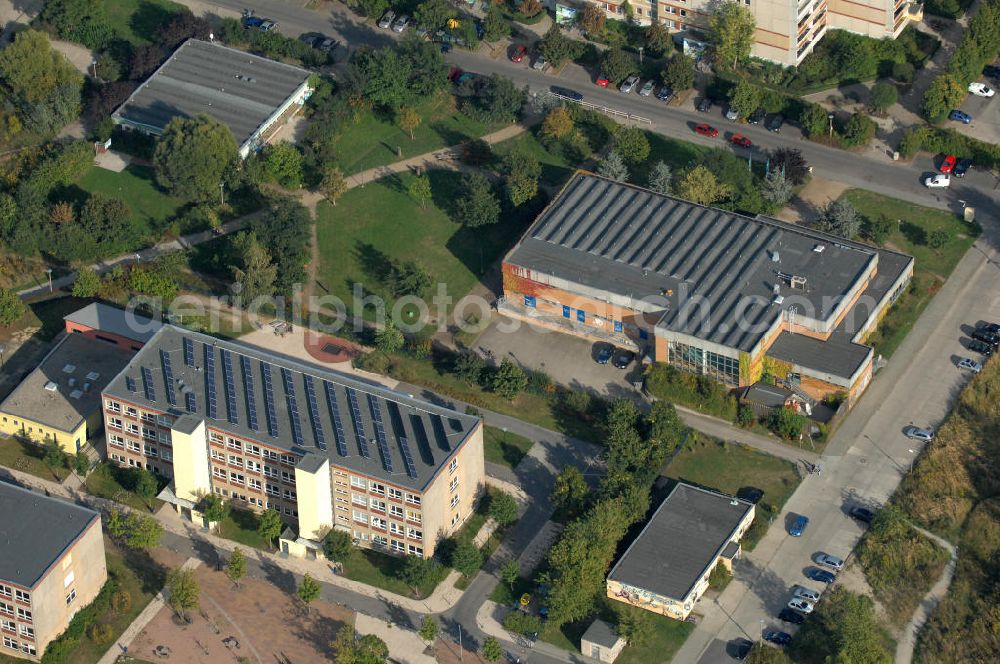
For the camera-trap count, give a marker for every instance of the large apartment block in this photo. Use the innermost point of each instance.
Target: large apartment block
(787, 30)
(322, 448)
(51, 565)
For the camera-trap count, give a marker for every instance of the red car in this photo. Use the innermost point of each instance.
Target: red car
(948, 164)
(706, 130)
(741, 141)
(603, 81)
(519, 53)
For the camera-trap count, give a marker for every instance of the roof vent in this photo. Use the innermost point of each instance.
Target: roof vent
(819, 248)
(798, 282)
(93, 375)
(69, 368)
(51, 387)
(779, 299)
(734, 502)
(75, 394)
(71, 382)
(775, 257)
(86, 387)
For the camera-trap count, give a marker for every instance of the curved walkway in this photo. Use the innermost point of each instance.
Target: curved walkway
(908, 639)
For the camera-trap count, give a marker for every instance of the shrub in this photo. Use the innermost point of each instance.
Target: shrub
(667, 382)
(719, 577)
(522, 623)
(787, 423)
(121, 601)
(100, 633)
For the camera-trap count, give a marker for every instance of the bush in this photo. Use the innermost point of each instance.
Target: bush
(121, 601)
(667, 382)
(100, 634)
(719, 577)
(522, 623)
(903, 72)
(787, 423)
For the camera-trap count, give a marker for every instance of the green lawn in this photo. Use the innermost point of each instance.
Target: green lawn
(379, 223)
(137, 187)
(675, 153)
(241, 526)
(505, 448)
(138, 21)
(376, 140)
(555, 170)
(109, 481)
(28, 458)
(382, 571)
(931, 267)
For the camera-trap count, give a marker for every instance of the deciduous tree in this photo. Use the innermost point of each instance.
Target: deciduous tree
(883, 96)
(522, 171)
(283, 164)
(557, 47)
(744, 98)
(700, 185)
(254, 272)
(428, 629)
(631, 144)
(11, 307)
(334, 185)
(613, 167)
(420, 189)
(308, 591)
(269, 526)
(679, 73)
(558, 123)
(503, 508)
(659, 41)
(840, 218)
(592, 19)
(193, 156)
(433, 14)
(790, 162)
(618, 65)
(569, 493)
(236, 568)
(660, 178)
(408, 119)
(182, 592)
(337, 545)
(731, 29)
(944, 94)
(479, 205)
(508, 380)
(492, 651)
(495, 25)
(40, 83)
(510, 571)
(87, 283)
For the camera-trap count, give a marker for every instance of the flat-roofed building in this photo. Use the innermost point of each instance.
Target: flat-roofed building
(324, 449)
(251, 95)
(706, 290)
(112, 325)
(51, 565)
(666, 569)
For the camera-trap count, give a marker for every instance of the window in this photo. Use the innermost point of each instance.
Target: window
(378, 523)
(396, 529)
(398, 546)
(167, 455)
(413, 533)
(272, 490)
(530, 301)
(453, 466)
(27, 648)
(22, 596)
(413, 500)
(148, 433)
(235, 461)
(376, 488)
(5, 591)
(288, 459)
(27, 631)
(689, 358)
(416, 550)
(454, 501)
(288, 494)
(114, 406)
(271, 456)
(113, 422)
(234, 444)
(358, 481)
(360, 517)
(287, 477)
(396, 511)
(218, 472)
(378, 505)
(254, 483)
(217, 455)
(253, 449)
(23, 614)
(395, 494)
(270, 471)
(379, 540)
(133, 446)
(68, 581)
(9, 643)
(116, 440)
(453, 484)
(7, 609)
(164, 438)
(359, 500)
(8, 625)
(132, 428)
(413, 516)
(149, 450)
(253, 465)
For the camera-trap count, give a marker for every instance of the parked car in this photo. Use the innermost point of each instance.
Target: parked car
(774, 124)
(519, 52)
(938, 181)
(756, 118)
(925, 434)
(861, 514)
(387, 19)
(981, 89)
(960, 116)
(704, 105)
(540, 63)
(603, 81)
(629, 84)
(962, 167)
(778, 638)
(445, 47)
(983, 349)
(604, 353)
(793, 617)
(991, 71)
(821, 575)
(798, 526)
(948, 163)
(800, 605)
(740, 140)
(970, 364)
(986, 336)
(647, 89)
(319, 41)
(732, 115)
(665, 93)
(739, 649)
(830, 560)
(400, 23)
(622, 359)
(991, 327)
(566, 92)
(808, 594)
(255, 22)
(706, 130)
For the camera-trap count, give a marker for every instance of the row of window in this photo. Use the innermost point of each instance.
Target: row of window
(249, 448)
(120, 442)
(19, 613)
(382, 542)
(380, 489)
(253, 466)
(135, 463)
(15, 593)
(699, 361)
(132, 411)
(263, 504)
(26, 648)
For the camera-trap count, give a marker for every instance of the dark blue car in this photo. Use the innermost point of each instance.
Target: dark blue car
(960, 116)
(821, 575)
(798, 526)
(778, 638)
(604, 354)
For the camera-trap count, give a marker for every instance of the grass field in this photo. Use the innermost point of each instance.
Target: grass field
(504, 447)
(382, 571)
(138, 21)
(931, 267)
(376, 140)
(555, 170)
(28, 459)
(102, 482)
(676, 154)
(137, 187)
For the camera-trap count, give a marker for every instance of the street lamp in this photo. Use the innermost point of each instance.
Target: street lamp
(640, 54)
(830, 117)
(49, 272)
(913, 457)
(137, 257)
(222, 196)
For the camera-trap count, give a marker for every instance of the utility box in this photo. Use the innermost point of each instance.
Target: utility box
(969, 214)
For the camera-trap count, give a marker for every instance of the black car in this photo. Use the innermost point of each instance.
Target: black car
(862, 514)
(789, 616)
(739, 649)
(566, 92)
(977, 346)
(778, 638)
(622, 359)
(961, 168)
(991, 71)
(705, 105)
(604, 353)
(665, 93)
(986, 336)
(990, 327)
(757, 116)
(774, 124)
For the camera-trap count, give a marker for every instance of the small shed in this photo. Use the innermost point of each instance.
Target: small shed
(764, 398)
(601, 641)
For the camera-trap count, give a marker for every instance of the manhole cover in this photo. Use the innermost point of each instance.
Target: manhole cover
(332, 349)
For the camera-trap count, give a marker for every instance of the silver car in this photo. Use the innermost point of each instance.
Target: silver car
(386, 19)
(808, 594)
(540, 63)
(401, 23)
(801, 605)
(629, 84)
(970, 364)
(647, 89)
(918, 433)
(831, 561)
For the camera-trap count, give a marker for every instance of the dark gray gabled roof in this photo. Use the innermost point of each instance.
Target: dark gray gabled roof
(615, 238)
(602, 634)
(35, 530)
(238, 89)
(688, 531)
(771, 396)
(103, 317)
(429, 434)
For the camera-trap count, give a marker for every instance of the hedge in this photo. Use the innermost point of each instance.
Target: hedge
(933, 139)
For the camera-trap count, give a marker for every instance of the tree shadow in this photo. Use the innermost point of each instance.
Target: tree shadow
(913, 233)
(148, 19)
(150, 573)
(207, 552)
(277, 576)
(375, 263)
(318, 630)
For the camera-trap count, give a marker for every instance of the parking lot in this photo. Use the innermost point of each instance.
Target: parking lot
(985, 115)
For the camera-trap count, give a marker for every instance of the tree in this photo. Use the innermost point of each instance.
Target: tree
(503, 508)
(558, 122)
(760, 653)
(843, 628)
(87, 283)
(433, 14)
(389, 339)
(592, 19)
(790, 162)
(408, 119)
(407, 278)
(815, 120)
(193, 156)
(521, 180)
(479, 206)
(334, 185)
(731, 29)
(236, 568)
(523, 623)
(700, 185)
(337, 545)
(903, 72)
(883, 96)
(214, 508)
(613, 167)
(508, 380)
(255, 273)
(428, 629)
(55, 457)
(40, 83)
(492, 650)
(618, 65)
(285, 234)
(373, 8)
(660, 178)
(719, 577)
(145, 484)
(466, 558)
(420, 189)
(569, 493)
(182, 27)
(859, 130)
(416, 572)
(351, 648)
(634, 624)
(11, 307)
(558, 48)
(878, 228)
(944, 94)
(840, 218)
(269, 526)
(469, 367)
(308, 591)
(183, 592)
(283, 164)
(787, 423)
(659, 41)
(80, 21)
(679, 73)
(531, 8)
(937, 238)
(744, 98)
(776, 189)
(510, 571)
(498, 99)
(495, 25)
(631, 143)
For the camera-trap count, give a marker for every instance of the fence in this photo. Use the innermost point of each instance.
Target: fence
(611, 112)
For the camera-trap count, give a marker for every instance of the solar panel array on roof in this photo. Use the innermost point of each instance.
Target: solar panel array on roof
(272, 416)
(130, 383)
(383, 445)
(213, 406)
(188, 352)
(317, 426)
(293, 406)
(147, 384)
(338, 425)
(168, 377)
(229, 380)
(359, 430)
(248, 389)
(189, 402)
(404, 447)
